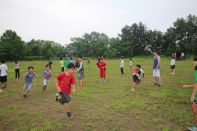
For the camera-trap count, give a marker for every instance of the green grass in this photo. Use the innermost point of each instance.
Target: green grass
(109, 106)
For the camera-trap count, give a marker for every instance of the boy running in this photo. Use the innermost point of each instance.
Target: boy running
(88, 64)
(3, 76)
(138, 71)
(193, 98)
(65, 84)
(47, 73)
(65, 63)
(29, 76)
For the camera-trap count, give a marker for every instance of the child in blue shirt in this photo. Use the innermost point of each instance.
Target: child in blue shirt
(47, 73)
(29, 76)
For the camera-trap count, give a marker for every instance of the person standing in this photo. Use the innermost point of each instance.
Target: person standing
(130, 62)
(102, 66)
(17, 71)
(172, 65)
(156, 68)
(122, 65)
(80, 70)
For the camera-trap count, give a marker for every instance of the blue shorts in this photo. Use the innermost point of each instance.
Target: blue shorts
(80, 75)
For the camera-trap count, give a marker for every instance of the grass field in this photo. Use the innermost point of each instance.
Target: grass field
(101, 107)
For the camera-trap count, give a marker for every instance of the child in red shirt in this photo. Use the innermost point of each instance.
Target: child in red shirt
(138, 71)
(102, 66)
(65, 84)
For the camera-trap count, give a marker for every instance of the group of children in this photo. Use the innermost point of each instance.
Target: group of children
(65, 81)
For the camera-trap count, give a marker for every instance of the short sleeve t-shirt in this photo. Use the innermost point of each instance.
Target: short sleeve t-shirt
(65, 82)
(172, 62)
(28, 77)
(121, 63)
(47, 74)
(3, 70)
(17, 66)
(65, 63)
(61, 63)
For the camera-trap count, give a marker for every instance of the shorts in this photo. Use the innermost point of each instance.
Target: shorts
(80, 75)
(27, 86)
(45, 82)
(136, 79)
(156, 72)
(62, 69)
(3, 79)
(172, 66)
(64, 98)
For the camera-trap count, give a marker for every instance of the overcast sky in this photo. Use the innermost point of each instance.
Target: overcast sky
(60, 20)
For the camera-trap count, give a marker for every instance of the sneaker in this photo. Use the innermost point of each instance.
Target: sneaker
(1, 90)
(69, 114)
(24, 96)
(159, 85)
(56, 97)
(155, 84)
(192, 128)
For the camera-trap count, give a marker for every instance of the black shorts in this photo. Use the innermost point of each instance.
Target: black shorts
(3, 78)
(195, 101)
(172, 66)
(136, 79)
(64, 98)
(62, 69)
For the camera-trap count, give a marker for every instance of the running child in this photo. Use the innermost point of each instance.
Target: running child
(29, 76)
(88, 64)
(65, 63)
(193, 98)
(102, 66)
(137, 73)
(3, 76)
(65, 83)
(47, 73)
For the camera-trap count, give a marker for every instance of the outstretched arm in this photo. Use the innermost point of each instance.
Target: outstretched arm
(57, 86)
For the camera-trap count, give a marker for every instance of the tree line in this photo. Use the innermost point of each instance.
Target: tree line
(133, 40)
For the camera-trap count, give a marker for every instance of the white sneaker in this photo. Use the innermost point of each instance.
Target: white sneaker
(1, 90)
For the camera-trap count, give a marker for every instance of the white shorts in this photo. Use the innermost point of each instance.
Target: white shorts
(156, 72)
(27, 86)
(45, 82)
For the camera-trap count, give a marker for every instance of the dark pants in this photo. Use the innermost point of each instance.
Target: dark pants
(17, 73)
(122, 71)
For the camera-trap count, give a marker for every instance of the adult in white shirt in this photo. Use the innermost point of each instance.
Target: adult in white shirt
(172, 65)
(122, 65)
(3, 75)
